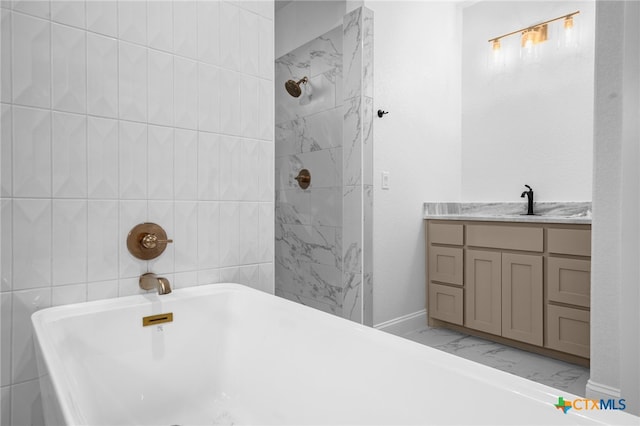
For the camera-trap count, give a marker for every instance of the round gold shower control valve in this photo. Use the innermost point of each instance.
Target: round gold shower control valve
(147, 241)
(303, 178)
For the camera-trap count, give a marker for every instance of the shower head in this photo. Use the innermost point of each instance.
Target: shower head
(293, 87)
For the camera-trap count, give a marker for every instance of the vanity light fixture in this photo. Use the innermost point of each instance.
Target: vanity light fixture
(534, 34)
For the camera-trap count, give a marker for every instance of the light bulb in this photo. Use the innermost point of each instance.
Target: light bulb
(570, 36)
(528, 38)
(496, 60)
(529, 51)
(568, 23)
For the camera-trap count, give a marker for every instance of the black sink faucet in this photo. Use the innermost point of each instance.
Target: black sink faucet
(529, 195)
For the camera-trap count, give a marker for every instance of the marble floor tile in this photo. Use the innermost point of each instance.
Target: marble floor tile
(551, 372)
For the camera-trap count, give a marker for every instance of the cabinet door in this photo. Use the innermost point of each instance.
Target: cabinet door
(445, 264)
(445, 303)
(522, 304)
(482, 291)
(569, 281)
(568, 330)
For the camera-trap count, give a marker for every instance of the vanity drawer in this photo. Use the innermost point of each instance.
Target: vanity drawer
(445, 264)
(569, 281)
(445, 233)
(569, 241)
(445, 303)
(568, 330)
(505, 237)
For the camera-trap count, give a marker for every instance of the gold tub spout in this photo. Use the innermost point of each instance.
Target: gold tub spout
(149, 281)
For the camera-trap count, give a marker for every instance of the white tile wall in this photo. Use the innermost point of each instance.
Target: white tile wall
(102, 17)
(102, 75)
(249, 232)
(250, 121)
(25, 303)
(160, 88)
(185, 35)
(120, 112)
(36, 8)
(160, 163)
(186, 236)
(132, 21)
(31, 60)
(5, 396)
(69, 241)
(67, 294)
(230, 35)
(5, 66)
(249, 42)
(69, 12)
(102, 290)
(208, 166)
(5, 151)
(230, 151)
(25, 404)
(160, 25)
(69, 68)
(209, 102)
(132, 81)
(69, 151)
(6, 240)
(102, 158)
(185, 93)
(132, 159)
(5, 336)
(31, 152)
(32, 251)
(230, 102)
(229, 234)
(185, 162)
(208, 35)
(102, 226)
(211, 236)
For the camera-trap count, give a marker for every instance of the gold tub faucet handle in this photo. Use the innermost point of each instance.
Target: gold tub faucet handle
(150, 241)
(147, 241)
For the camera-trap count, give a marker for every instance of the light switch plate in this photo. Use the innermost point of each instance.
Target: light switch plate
(385, 180)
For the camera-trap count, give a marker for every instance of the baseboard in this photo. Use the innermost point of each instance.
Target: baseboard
(404, 324)
(600, 391)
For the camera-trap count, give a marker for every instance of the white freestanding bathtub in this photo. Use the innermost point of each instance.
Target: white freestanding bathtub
(233, 355)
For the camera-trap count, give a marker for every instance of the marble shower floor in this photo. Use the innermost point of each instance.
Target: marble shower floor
(558, 374)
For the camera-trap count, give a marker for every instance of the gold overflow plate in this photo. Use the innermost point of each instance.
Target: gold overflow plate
(147, 241)
(157, 319)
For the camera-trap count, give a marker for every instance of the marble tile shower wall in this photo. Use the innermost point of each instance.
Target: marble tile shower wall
(357, 238)
(308, 134)
(323, 234)
(116, 113)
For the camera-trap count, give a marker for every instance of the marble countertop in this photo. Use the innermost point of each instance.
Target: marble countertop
(576, 212)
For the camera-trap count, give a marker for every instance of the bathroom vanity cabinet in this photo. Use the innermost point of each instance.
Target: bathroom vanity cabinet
(525, 284)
